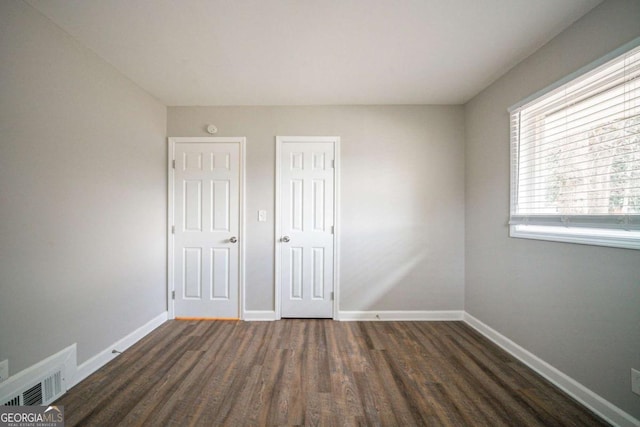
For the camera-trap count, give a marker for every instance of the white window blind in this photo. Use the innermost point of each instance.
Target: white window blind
(575, 152)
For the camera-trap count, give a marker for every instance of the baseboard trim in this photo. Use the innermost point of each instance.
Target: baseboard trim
(259, 315)
(406, 315)
(582, 394)
(105, 356)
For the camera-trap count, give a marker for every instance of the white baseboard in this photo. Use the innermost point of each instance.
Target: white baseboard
(99, 360)
(582, 394)
(386, 315)
(259, 315)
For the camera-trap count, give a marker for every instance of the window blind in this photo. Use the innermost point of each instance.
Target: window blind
(575, 151)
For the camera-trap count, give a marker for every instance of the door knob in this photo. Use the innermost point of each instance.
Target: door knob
(233, 239)
(286, 239)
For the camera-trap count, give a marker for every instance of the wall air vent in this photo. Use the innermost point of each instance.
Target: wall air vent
(33, 396)
(41, 383)
(43, 392)
(52, 386)
(13, 402)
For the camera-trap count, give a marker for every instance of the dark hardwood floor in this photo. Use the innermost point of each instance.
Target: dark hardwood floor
(318, 372)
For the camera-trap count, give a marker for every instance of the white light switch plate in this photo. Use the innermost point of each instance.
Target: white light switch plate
(4, 370)
(262, 216)
(635, 381)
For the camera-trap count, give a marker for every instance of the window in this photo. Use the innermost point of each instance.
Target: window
(575, 156)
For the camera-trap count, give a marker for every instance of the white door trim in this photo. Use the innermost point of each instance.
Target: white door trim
(241, 141)
(336, 230)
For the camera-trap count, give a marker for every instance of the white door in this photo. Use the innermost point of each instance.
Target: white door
(306, 218)
(206, 213)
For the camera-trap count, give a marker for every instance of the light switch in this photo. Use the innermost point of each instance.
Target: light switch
(262, 216)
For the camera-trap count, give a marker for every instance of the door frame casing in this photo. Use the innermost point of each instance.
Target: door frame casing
(336, 220)
(172, 141)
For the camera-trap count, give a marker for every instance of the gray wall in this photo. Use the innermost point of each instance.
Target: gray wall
(82, 195)
(402, 183)
(575, 306)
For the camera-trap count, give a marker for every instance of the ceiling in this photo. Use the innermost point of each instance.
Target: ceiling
(313, 52)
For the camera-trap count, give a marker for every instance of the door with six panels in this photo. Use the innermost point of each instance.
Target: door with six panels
(306, 217)
(206, 229)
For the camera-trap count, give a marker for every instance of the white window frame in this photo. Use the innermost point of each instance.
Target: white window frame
(574, 229)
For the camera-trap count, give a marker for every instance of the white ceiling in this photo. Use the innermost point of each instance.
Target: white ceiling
(310, 52)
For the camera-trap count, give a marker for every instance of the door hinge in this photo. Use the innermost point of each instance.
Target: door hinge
(173, 163)
(333, 164)
(332, 229)
(173, 229)
(173, 294)
(331, 296)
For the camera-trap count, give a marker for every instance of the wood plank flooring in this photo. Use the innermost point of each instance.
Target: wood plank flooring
(318, 372)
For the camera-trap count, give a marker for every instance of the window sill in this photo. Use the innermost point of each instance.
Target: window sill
(584, 236)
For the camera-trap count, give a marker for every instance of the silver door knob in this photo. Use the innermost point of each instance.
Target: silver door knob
(233, 239)
(286, 239)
